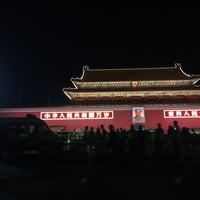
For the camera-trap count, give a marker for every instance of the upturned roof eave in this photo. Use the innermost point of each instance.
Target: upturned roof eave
(134, 74)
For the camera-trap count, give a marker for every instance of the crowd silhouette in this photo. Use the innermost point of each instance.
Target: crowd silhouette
(141, 142)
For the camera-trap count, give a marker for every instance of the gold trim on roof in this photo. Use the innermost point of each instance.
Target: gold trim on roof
(123, 94)
(129, 84)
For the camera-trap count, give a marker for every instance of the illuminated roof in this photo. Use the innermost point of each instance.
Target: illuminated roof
(136, 74)
(135, 84)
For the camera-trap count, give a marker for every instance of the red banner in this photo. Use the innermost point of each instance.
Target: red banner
(76, 115)
(181, 113)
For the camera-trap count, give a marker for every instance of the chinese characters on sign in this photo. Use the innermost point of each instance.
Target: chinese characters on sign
(181, 113)
(76, 115)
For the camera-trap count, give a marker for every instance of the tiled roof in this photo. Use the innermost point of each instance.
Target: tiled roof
(134, 74)
(75, 90)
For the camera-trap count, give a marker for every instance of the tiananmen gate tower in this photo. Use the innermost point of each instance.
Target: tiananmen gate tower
(111, 96)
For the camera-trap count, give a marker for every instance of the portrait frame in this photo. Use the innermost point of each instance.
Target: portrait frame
(136, 119)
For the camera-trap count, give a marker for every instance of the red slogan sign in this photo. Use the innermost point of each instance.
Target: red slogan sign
(76, 115)
(181, 113)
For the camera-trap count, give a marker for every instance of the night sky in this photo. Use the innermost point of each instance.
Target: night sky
(43, 45)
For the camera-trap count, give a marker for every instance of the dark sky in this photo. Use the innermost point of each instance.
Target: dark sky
(44, 44)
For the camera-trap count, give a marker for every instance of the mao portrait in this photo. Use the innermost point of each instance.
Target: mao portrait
(138, 115)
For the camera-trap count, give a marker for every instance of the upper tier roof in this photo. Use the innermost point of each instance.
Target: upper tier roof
(134, 74)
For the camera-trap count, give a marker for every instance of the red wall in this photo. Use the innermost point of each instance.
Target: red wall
(156, 116)
(122, 118)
